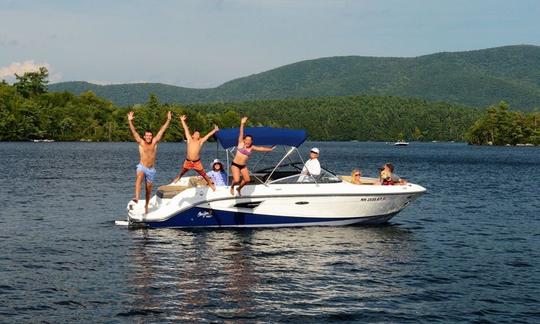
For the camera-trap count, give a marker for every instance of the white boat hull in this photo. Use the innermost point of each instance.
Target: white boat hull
(277, 205)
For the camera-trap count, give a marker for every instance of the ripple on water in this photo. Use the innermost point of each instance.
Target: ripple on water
(464, 252)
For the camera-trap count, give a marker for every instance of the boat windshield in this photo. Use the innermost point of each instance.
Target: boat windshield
(290, 173)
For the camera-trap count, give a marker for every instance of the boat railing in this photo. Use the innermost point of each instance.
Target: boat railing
(266, 177)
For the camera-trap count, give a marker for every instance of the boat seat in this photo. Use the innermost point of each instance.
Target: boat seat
(346, 178)
(365, 181)
(169, 191)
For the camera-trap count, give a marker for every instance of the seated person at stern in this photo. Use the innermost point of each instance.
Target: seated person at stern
(387, 176)
(356, 174)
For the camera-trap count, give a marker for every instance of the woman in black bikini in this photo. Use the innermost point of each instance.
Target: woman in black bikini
(243, 150)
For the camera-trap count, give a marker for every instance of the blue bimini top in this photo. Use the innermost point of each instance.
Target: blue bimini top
(266, 136)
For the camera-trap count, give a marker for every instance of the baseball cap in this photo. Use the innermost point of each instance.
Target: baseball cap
(315, 150)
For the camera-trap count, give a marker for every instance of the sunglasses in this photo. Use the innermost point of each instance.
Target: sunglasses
(357, 175)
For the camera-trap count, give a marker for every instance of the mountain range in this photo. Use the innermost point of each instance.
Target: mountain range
(476, 78)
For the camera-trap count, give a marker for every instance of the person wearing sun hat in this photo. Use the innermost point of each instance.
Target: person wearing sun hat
(218, 174)
(312, 167)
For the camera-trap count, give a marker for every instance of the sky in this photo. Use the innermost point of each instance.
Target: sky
(204, 43)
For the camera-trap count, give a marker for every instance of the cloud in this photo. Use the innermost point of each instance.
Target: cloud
(8, 72)
(55, 77)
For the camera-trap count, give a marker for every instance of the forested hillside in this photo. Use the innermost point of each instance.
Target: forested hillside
(27, 112)
(360, 118)
(474, 78)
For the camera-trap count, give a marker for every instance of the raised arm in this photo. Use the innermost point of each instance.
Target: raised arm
(243, 121)
(163, 128)
(212, 132)
(185, 127)
(262, 148)
(136, 136)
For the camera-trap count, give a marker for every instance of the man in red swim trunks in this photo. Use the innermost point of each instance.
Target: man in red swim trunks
(193, 154)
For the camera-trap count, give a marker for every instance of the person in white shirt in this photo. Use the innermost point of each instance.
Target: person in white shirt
(218, 175)
(311, 167)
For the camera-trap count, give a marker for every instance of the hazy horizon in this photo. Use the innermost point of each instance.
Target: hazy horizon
(203, 44)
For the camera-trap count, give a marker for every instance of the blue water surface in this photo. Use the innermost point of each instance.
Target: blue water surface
(467, 251)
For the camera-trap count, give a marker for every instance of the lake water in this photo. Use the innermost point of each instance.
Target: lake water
(467, 251)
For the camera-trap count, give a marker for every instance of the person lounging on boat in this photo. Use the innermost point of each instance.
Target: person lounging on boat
(387, 176)
(356, 175)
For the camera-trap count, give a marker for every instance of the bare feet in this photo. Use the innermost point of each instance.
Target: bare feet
(212, 186)
(239, 193)
(135, 200)
(232, 190)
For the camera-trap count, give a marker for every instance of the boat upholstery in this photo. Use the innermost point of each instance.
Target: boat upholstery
(169, 191)
(365, 181)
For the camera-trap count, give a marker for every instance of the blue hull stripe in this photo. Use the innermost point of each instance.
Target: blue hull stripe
(201, 217)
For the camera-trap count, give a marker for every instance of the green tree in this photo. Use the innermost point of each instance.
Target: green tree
(417, 135)
(500, 126)
(32, 83)
(66, 125)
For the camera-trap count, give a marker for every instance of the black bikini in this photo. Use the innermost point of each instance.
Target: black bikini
(239, 166)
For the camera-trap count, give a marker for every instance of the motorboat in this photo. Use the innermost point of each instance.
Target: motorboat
(401, 143)
(277, 196)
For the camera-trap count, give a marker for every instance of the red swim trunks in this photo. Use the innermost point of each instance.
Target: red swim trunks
(195, 165)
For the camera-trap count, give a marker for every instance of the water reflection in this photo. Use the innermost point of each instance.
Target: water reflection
(471, 256)
(244, 274)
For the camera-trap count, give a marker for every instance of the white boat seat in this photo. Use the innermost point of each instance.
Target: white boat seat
(169, 191)
(365, 181)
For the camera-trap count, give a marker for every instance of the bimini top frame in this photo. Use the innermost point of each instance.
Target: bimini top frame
(266, 136)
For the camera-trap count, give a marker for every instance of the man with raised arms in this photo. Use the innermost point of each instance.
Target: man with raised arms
(147, 150)
(193, 152)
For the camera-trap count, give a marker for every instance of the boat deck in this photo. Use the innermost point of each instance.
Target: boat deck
(171, 190)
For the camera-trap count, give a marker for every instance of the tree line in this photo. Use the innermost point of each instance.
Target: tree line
(500, 126)
(28, 111)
